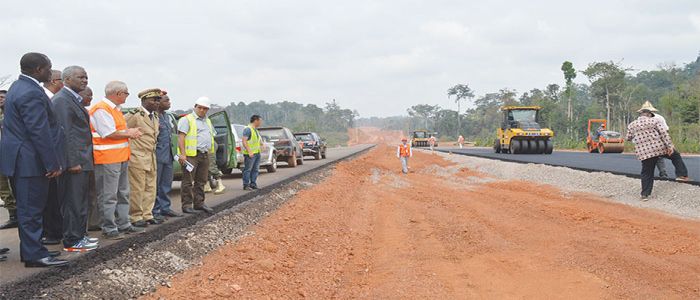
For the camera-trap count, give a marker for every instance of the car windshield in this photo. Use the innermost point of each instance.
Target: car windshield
(420, 135)
(304, 137)
(273, 134)
(610, 134)
(529, 115)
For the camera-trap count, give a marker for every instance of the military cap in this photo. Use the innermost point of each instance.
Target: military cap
(150, 93)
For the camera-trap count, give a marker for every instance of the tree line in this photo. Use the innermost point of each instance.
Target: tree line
(613, 92)
(331, 120)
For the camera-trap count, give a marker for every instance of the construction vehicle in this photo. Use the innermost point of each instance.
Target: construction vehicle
(601, 140)
(521, 133)
(421, 138)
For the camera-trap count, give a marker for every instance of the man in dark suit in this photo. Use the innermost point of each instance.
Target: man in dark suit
(28, 155)
(75, 120)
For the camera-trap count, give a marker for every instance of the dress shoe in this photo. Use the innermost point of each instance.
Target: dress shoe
(254, 187)
(45, 262)
(94, 228)
(4, 250)
(113, 235)
(3, 257)
(50, 241)
(205, 208)
(133, 229)
(170, 213)
(54, 253)
(11, 223)
(154, 221)
(246, 188)
(160, 218)
(140, 223)
(189, 210)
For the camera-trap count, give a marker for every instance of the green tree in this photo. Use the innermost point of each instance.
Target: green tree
(569, 75)
(607, 81)
(461, 92)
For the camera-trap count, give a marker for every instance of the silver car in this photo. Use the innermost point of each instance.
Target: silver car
(268, 153)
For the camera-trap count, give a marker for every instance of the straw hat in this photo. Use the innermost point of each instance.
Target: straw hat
(648, 107)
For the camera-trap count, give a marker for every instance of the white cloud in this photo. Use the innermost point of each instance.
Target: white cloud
(378, 57)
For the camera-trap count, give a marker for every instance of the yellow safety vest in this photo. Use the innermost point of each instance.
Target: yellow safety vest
(253, 142)
(191, 137)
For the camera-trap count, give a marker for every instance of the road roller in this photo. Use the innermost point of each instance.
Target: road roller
(521, 133)
(602, 140)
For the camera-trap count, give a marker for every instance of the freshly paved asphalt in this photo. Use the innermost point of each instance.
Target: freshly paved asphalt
(617, 163)
(12, 269)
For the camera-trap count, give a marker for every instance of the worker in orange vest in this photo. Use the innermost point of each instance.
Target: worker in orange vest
(403, 153)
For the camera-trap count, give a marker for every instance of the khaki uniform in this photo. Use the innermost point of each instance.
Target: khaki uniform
(142, 164)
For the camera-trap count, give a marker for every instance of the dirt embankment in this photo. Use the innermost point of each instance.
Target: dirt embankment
(448, 232)
(373, 135)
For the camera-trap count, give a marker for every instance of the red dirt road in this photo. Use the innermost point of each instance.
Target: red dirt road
(442, 232)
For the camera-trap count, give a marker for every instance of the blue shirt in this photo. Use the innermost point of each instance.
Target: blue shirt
(164, 150)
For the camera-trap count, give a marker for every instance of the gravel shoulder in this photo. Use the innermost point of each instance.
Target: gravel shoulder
(670, 197)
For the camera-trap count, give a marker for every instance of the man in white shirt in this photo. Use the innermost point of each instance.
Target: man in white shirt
(54, 84)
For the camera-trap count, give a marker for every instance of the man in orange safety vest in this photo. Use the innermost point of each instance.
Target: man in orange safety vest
(403, 152)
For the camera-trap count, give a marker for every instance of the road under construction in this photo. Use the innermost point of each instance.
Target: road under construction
(454, 227)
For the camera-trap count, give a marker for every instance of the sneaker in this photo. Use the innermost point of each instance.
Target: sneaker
(154, 221)
(682, 178)
(81, 246)
(92, 239)
(254, 187)
(247, 188)
(644, 198)
(113, 235)
(132, 229)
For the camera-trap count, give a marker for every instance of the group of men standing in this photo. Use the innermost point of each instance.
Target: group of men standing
(67, 168)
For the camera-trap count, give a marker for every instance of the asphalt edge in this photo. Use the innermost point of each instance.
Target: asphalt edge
(696, 183)
(26, 288)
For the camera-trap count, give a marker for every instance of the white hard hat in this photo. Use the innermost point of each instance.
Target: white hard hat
(203, 101)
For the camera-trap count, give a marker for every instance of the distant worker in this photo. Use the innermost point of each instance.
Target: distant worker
(142, 162)
(252, 144)
(599, 131)
(94, 215)
(460, 141)
(431, 142)
(404, 152)
(195, 142)
(651, 143)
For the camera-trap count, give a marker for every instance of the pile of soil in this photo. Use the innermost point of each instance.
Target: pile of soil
(445, 231)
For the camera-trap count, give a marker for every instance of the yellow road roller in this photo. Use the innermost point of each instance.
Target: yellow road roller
(521, 133)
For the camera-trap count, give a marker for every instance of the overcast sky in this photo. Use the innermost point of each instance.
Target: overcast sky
(379, 57)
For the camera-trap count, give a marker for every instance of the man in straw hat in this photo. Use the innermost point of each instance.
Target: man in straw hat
(652, 142)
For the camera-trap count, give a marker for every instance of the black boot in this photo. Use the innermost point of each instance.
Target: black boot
(12, 222)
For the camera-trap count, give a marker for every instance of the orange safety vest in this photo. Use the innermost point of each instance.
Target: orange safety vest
(405, 151)
(109, 151)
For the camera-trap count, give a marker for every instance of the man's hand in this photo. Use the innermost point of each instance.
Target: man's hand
(670, 151)
(251, 155)
(182, 159)
(53, 174)
(75, 169)
(134, 133)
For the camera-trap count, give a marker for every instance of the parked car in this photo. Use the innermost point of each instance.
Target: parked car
(268, 153)
(288, 149)
(312, 143)
(226, 158)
